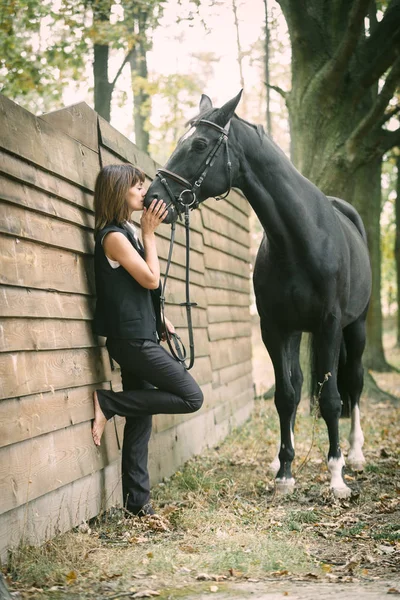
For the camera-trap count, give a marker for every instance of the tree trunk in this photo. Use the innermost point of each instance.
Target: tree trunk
(102, 87)
(397, 247)
(367, 200)
(267, 78)
(141, 99)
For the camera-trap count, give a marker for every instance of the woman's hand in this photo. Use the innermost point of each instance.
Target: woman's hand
(153, 216)
(170, 329)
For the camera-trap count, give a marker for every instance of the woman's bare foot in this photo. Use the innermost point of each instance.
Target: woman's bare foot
(99, 421)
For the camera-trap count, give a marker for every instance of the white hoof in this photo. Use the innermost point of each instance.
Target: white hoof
(341, 492)
(284, 487)
(274, 466)
(356, 460)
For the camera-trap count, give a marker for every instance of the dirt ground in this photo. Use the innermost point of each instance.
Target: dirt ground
(221, 531)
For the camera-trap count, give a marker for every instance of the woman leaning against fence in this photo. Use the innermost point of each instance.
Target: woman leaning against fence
(127, 275)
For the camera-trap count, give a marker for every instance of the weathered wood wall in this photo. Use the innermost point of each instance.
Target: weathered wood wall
(51, 475)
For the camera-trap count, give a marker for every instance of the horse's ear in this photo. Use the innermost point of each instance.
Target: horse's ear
(226, 112)
(205, 103)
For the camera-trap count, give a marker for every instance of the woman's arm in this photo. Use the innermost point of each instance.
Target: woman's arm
(117, 247)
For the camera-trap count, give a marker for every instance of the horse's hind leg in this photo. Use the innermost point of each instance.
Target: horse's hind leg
(326, 354)
(353, 376)
(280, 349)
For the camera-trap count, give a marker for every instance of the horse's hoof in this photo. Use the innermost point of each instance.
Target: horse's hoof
(274, 467)
(356, 461)
(341, 492)
(356, 466)
(284, 487)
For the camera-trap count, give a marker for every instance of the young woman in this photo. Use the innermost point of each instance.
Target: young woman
(127, 313)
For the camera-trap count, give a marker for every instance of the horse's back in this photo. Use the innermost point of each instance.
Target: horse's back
(350, 212)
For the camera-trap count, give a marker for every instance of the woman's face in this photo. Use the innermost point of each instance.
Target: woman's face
(135, 196)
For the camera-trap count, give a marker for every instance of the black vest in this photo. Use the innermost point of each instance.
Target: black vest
(124, 309)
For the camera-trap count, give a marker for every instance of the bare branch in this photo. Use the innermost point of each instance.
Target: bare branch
(126, 59)
(390, 139)
(277, 89)
(373, 117)
(380, 50)
(340, 59)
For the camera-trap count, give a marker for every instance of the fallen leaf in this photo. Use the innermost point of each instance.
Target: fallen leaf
(393, 591)
(71, 577)
(213, 588)
(145, 594)
(234, 573)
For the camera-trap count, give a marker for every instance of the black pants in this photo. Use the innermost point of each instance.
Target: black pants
(153, 383)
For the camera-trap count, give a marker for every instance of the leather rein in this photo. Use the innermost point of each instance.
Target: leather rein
(184, 202)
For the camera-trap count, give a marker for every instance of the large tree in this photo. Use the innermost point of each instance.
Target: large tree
(345, 70)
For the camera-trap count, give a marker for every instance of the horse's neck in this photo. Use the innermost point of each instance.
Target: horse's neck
(290, 208)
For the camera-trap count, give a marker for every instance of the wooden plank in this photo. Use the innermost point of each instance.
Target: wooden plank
(110, 158)
(228, 374)
(39, 201)
(215, 222)
(179, 255)
(120, 145)
(31, 416)
(223, 354)
(176, 293)
(229, 212)
(23, 172)
(225, 411)
(214, 259)
(25, 302)
(35, 467)
(227, 281)
(29, 264)
(35, 140)
(239, 200)
(79, 121)
(202, 370)
(25, 373)
(179, 272)
(224, 244)
(224, 331)
(61, 510)
(225, 297)
(31, 226)
(38, 334)
(177, 315)
(227, 314)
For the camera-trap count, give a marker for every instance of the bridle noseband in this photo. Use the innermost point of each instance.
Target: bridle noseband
(188, 196)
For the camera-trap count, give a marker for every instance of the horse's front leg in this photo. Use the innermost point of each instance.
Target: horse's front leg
(326, 347)
(286, 401)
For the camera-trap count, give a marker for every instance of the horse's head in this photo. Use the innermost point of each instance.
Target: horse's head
(200, 166)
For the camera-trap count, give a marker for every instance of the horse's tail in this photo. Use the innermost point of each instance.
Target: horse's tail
(315, 380)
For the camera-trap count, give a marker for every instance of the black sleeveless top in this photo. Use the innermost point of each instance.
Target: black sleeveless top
(124, 309)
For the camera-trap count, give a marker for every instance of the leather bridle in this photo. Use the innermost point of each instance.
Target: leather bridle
(184, 202)
(188, 196)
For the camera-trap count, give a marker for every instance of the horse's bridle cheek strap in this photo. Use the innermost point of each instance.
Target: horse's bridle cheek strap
(178, 200)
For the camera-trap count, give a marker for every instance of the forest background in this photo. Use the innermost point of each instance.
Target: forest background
(322, 76)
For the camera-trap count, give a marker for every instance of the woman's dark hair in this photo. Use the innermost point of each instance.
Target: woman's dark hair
(112, 185)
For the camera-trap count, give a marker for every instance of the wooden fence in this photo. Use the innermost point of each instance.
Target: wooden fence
(51, 474)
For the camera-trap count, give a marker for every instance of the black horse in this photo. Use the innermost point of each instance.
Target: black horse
(312, 272)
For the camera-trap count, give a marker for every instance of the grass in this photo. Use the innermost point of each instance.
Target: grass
(220, 520)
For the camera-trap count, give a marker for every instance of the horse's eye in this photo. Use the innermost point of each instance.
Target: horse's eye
(199, 144)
